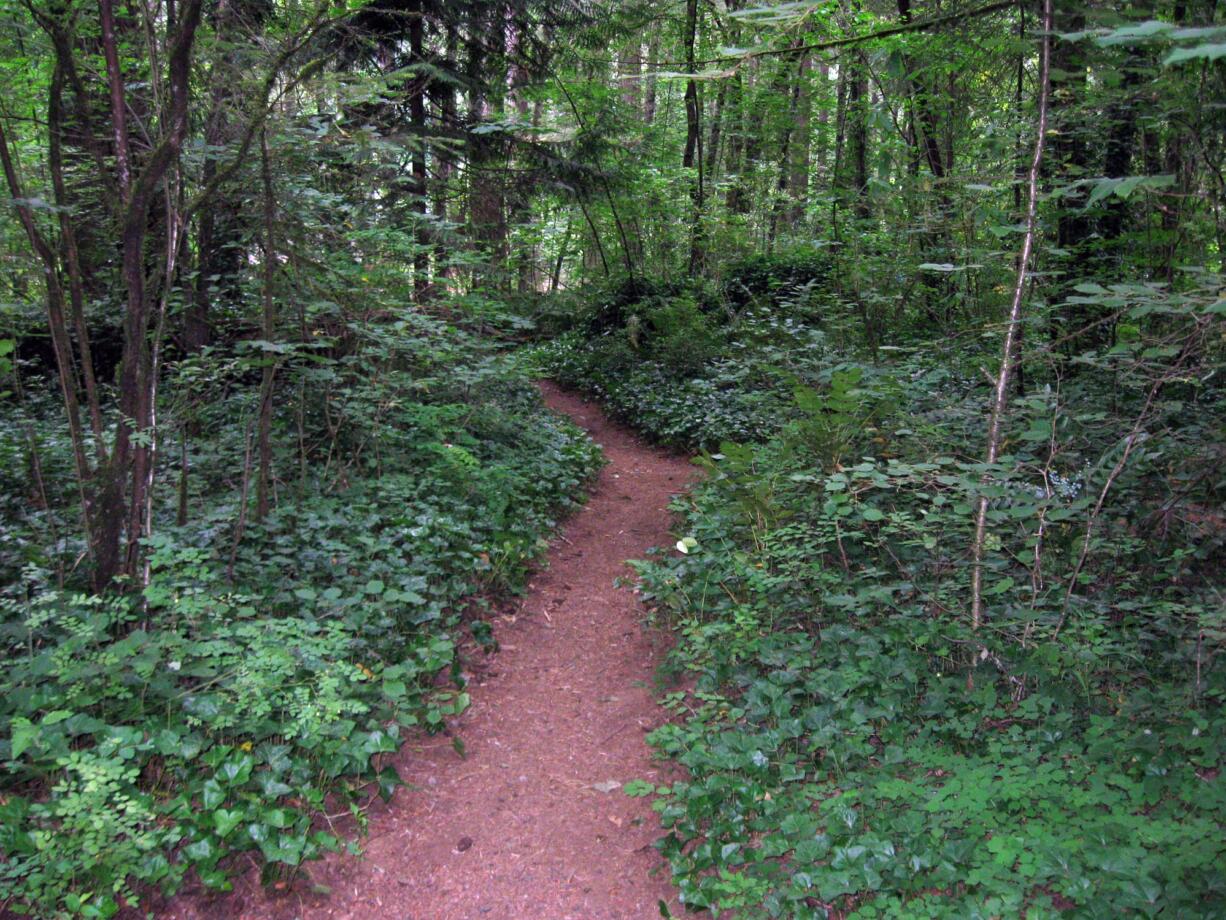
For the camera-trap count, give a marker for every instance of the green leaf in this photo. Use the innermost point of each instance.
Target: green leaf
(212, 794)
(24, 734)
(238, 771)
(389, 782)
(1208, 52)
(278, 817)
(1001, 586)
(226, 820)
(258, 832)
(272, 787)
(1138, 34)
(200, 851)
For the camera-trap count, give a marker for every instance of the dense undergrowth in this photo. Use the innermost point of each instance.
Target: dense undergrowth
(692, 365)
(852, 746)
(248, 696)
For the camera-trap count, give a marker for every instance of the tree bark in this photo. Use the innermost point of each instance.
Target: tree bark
(269, 331)
(131, 456)
(857, 137)
(417, 117)
(792, 125)
(693, 139)
(487, 194)
(798, 181)
(70, 257)
(1000, 398)
(649, 95)
(60, 341)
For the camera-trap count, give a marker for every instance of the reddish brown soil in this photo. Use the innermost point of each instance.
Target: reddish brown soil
(518, 830)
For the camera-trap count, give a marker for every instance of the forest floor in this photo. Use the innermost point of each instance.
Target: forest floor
(528, 825)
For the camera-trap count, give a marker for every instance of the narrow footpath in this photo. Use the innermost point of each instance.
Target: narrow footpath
(530, 824)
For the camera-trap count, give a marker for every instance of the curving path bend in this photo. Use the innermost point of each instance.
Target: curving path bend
(521, 829)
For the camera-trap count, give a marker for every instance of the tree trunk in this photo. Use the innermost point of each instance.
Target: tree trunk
(733, 164)
(269, 331)
(1000, 400)
(857, 137)
(70, 257)
(798, 181)
(630, 70)
(417, 117)
(780, 205)
(217, 233)
(693, 139)
(487, 204)
(649, 96)
(1069, 160)
(444, 159)
(60, 341)
(131, 456)
(714, 137)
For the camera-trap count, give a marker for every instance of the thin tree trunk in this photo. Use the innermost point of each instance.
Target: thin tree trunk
(822, 140)
(269, 330)
(649, 96)
(798, 182)
(60, 341)
(444, 161)
(630, 70)
(181, 515)
(556, 277)
(717, 123)
(240, 526)
(733, 166)
(785, 155)
(857, 105)
(131, 457)
(213, 258)
(692, 157)
(486, 192)
(1000, 400)
(1069, 157)
(70, 256)
(417, 117)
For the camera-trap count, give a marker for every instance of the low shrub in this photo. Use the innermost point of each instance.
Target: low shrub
(774, 278)
(258, 683)
(852, 748)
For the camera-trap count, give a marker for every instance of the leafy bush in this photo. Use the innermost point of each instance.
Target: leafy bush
(853, 773)
(680, 411)
(778, 277)
(692, 366)
(853, 748)
(257, 682)
(681, 337)
(611, 307)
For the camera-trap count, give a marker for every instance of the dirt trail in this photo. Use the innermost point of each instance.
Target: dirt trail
(518, 829)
